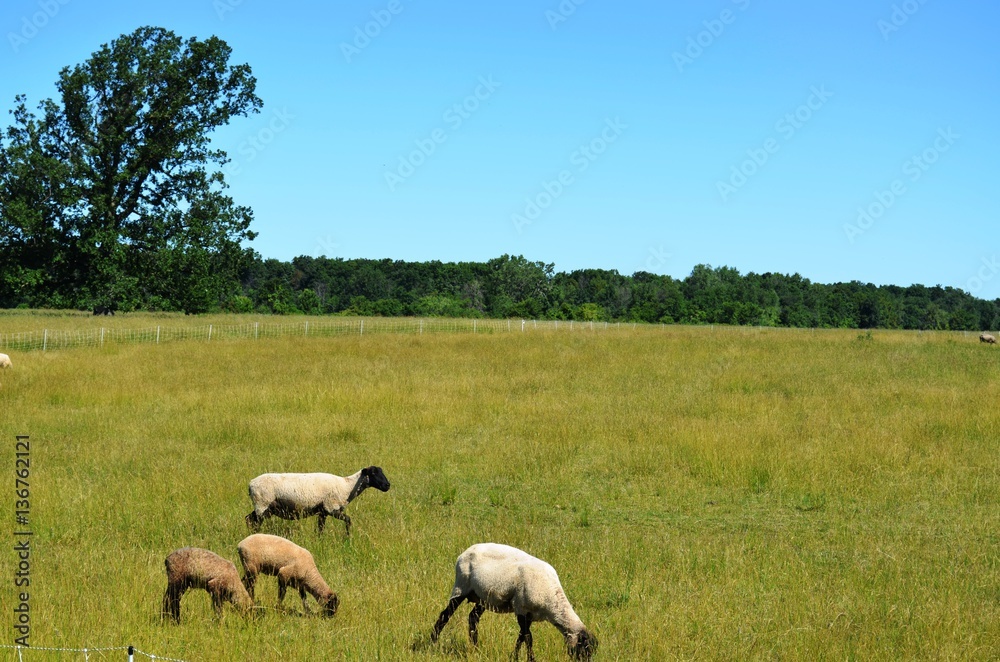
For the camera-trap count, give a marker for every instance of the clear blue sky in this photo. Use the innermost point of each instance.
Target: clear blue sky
(740, 133)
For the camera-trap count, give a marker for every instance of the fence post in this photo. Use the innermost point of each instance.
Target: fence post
(307, 328)
(157, 335)
(473, 326)
(522, 326)
(209, 333)
(362, 328)
(421, 326)
(256, 330)
(102, 336)
(131, 653)
(508, 325)
(45, 339)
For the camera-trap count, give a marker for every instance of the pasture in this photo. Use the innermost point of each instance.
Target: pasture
(704, 494)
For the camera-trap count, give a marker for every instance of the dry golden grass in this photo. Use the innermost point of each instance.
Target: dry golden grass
(713, 494)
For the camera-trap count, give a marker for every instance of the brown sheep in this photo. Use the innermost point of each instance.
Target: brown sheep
(262, 553)
(192, 567)
(987, 338)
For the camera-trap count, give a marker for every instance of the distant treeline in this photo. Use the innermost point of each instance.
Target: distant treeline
(511, 286)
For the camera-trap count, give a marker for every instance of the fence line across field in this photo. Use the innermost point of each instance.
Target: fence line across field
(122, 652)
(51, 339)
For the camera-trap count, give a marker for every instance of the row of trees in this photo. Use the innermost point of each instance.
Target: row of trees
(511, 286)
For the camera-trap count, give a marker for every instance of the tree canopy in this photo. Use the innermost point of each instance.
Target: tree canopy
(512, 286)
(112, 195)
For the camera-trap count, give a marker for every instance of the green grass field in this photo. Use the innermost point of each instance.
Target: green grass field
(704, 494)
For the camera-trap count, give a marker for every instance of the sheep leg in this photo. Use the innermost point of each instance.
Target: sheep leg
(321, 522)
(445, 615)
(341, 515)
(281, 593)
(283, 581)
(172, 602)
(474, 617)
(249, 579)
(302, 594)
(525, 636)
(217, 598)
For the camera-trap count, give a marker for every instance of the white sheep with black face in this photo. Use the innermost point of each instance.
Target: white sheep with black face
(5, 361)
(505, 579)
(294, 496)
(987, 338)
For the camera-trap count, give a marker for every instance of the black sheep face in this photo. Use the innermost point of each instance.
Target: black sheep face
(584, 646)
(331, 605)
(376, 478)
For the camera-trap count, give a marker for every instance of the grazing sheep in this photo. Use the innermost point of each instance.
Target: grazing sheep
(293, 496)
(5, 361)
(987, 338)
(293, 565)
(191, 567)
(504, 579)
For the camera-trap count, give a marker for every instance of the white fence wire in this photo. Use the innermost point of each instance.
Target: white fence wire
(51, 339)
(102, 653)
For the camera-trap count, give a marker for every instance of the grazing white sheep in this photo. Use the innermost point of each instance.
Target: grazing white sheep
(505, 579)
(5, 361)
(192, 567)
(293, 496)
(987, 338)
(293, 565)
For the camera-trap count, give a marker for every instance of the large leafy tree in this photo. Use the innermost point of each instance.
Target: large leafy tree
(113, 194)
